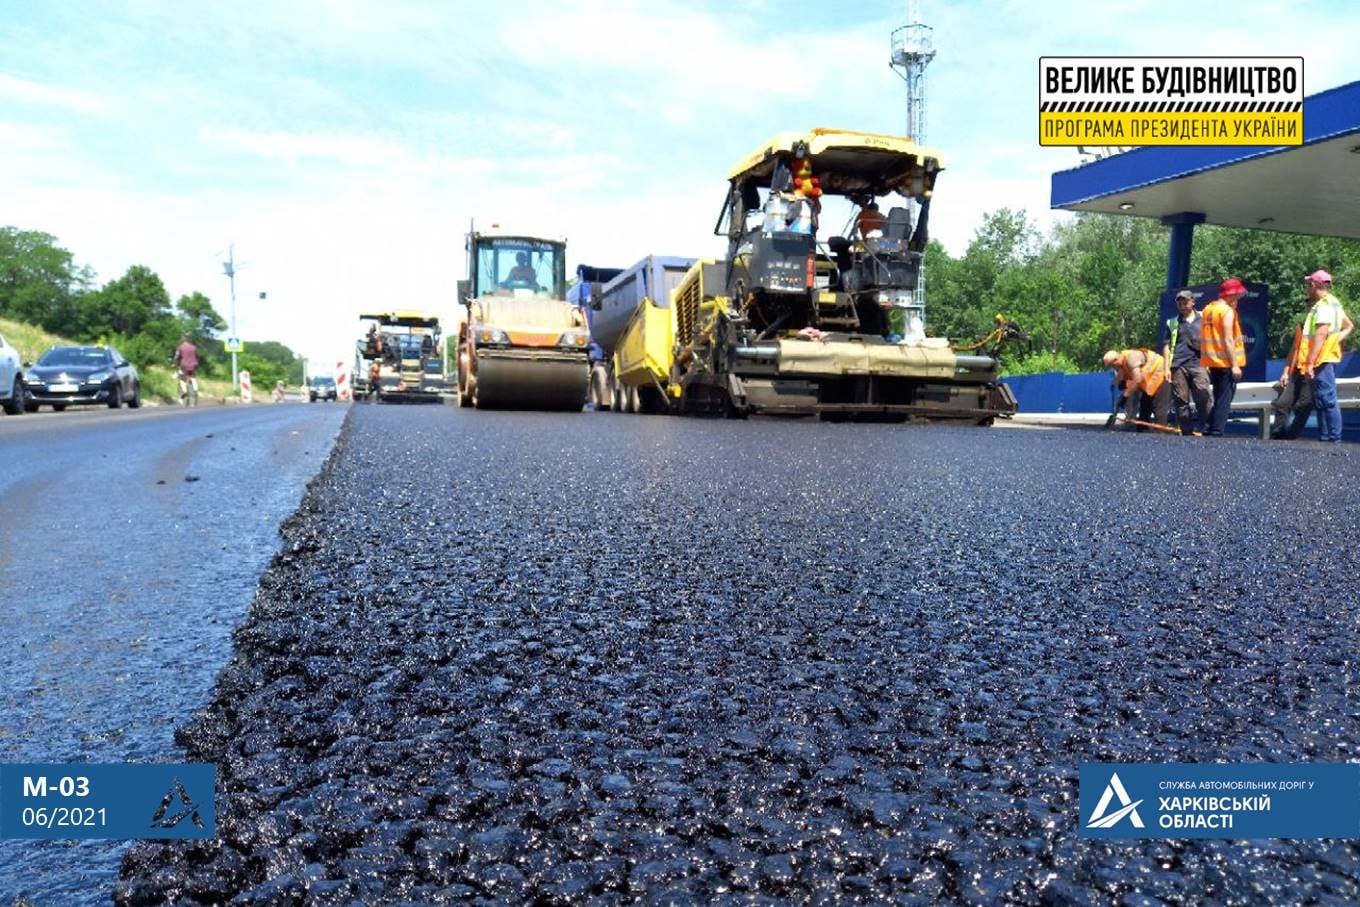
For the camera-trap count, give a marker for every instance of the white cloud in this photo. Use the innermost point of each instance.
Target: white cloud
(344, 146)
(352, 150)
(40, 94)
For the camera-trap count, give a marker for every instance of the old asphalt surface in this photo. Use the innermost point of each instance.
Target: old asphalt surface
(130, 544)
(516, 656)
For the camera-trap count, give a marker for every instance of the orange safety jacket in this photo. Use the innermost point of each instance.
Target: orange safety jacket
(1300, 357)
(1153, 372)
(1216, 348)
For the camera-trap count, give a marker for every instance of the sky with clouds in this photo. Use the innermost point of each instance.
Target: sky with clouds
(344, 145)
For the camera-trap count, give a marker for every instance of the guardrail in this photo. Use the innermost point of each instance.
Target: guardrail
(1256, 397)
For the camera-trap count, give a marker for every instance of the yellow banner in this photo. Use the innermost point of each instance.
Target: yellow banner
(1171, 128)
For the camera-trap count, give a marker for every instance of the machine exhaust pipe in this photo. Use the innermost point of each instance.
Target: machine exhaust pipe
(756, 352)
(974, 363)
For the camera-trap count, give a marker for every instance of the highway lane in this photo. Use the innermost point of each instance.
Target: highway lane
(130, 546)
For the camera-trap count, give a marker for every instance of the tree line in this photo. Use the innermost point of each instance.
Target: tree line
(42, 284)
(1094, 283)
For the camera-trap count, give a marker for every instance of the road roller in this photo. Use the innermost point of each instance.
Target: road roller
(522, 345)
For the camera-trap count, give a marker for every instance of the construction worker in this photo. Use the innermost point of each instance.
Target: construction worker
(1141, 375)
(374, 375)
(1293, 394)
(870, 220)
(1181, 354)
(1223, 351)
(522, 272)
(1324, 330)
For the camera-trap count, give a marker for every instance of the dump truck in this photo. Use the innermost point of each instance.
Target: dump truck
(613, 298)
(523, 345)
(408, 350)
(789, 324)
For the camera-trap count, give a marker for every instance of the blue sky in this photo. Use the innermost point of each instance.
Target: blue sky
(345, 145)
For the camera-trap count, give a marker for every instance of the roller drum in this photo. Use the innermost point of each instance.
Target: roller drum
(505, 383)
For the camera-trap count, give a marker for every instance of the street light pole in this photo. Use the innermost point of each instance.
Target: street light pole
(229, 267)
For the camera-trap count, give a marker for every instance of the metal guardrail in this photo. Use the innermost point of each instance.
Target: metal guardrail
(1256, 397)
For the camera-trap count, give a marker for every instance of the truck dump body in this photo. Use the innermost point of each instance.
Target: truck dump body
(654, 278)
(614, 311)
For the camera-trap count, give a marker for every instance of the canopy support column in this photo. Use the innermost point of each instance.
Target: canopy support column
(1182, 239)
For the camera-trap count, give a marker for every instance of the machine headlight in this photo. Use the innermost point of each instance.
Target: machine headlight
(99, 377)
(491, 336)
(574, 339)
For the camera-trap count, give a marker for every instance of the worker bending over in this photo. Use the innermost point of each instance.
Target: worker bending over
(1141, 375)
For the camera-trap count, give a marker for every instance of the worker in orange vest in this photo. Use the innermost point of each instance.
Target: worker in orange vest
(1223, 351)
(1141, 375)
(1293, 394)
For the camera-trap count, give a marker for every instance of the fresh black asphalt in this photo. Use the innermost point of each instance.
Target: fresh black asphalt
(525, 657)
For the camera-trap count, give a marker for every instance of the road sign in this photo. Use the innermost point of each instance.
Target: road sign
(234, 345)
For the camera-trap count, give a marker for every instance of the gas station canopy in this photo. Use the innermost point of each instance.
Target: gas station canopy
(1313, 188)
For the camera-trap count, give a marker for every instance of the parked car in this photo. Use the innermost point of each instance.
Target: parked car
(11, 379)
(321, 388)
(66, 375)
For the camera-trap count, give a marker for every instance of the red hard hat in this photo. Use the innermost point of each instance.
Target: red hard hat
(1230, 287)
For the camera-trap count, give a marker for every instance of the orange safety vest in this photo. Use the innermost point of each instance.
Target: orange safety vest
(1300, 352)
(1216, 348)
(1153, 371)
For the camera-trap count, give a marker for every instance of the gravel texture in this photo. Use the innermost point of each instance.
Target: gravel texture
(523, 657)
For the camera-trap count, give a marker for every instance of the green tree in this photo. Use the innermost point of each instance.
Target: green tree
(203, 322)
(1280, 261)
(39, 280)
(964, 295)
(126, 305)
(289, 364)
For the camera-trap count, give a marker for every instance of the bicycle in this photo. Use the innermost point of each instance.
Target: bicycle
(188, 387)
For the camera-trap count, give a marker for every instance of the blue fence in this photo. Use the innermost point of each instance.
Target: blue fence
(1094, 392)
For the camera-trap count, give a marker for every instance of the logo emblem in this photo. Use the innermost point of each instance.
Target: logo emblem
(1128, 807)
(190, 810)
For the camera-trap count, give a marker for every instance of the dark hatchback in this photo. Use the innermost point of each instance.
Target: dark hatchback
(69, 375)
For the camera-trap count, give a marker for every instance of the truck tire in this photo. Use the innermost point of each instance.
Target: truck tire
(600, 397)
(634, 404)
(616, 396)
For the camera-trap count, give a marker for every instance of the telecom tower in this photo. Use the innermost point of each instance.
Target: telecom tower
(912, 51)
